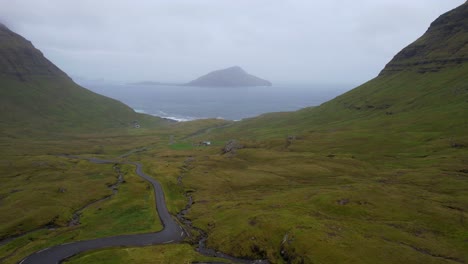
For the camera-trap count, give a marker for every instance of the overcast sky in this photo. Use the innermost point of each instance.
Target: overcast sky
(302, 41)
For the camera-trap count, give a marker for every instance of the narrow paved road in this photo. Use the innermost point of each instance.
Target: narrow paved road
(171, 232)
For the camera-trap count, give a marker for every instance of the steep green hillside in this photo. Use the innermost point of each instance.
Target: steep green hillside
(36, 96)
(425, 87)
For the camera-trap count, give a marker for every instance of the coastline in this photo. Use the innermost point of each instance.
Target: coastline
(176, 118)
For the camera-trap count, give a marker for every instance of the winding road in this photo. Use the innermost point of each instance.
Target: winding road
(171, 233)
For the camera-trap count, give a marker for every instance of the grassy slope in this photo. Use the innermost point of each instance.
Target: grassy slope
(50, 105)
(32, 199)
(32, 175)
(158, 254)
(404, 101)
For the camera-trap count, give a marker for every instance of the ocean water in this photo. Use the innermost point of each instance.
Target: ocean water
(184, 103)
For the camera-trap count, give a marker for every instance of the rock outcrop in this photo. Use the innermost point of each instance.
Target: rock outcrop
(231, 147)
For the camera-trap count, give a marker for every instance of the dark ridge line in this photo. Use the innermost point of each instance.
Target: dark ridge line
(434, 65)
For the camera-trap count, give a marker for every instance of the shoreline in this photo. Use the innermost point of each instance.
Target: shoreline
(178, 119)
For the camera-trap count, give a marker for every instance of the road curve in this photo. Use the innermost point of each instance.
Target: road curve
(171, 233)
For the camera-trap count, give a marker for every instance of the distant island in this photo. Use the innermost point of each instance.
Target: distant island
(230, 77)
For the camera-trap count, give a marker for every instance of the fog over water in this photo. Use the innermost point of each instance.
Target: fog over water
(282, 41)
(183, 103)
(333, 41)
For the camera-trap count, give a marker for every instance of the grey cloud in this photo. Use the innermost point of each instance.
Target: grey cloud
(284, 41)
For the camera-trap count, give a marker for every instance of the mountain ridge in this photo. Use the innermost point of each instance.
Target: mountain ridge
(38, 97)
(19, 57)
(444, 44)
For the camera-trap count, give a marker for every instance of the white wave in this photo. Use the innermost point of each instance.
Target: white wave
(141, 111)
(178, 119)
(163, 114)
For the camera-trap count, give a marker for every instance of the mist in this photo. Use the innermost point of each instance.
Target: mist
(176, 41)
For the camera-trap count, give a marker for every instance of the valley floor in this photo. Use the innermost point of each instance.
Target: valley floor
(289, 201)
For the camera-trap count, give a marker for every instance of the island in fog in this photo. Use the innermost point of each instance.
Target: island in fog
(230, 77)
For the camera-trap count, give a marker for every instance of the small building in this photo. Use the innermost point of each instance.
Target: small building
(205, 143)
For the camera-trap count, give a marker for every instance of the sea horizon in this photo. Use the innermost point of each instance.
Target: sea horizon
(186, 103)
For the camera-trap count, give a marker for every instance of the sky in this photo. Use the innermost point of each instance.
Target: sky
(284, 41)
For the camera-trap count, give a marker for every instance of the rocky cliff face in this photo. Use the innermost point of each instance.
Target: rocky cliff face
(19, 58)
(230, 77)
(445, 44)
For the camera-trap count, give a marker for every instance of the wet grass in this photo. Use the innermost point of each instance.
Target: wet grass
(44, 191)
(157, 254)
(182, 146)
(40, 188)
(313, 208)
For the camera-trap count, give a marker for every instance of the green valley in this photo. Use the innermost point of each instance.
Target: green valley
(376, 175)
